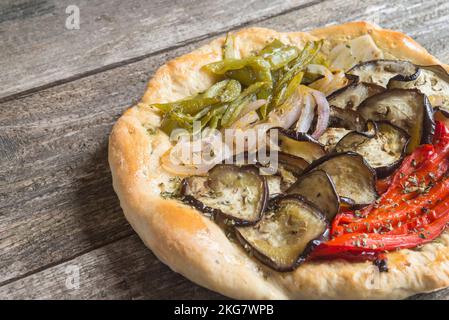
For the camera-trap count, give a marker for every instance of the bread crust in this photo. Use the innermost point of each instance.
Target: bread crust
(193, 245)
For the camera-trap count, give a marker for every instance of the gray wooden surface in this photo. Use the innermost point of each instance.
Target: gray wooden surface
(60, 93)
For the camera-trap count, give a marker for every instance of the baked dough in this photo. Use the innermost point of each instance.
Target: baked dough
(193, 245)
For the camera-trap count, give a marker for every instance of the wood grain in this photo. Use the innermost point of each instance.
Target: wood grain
(56, 197)
(42, 50)
(56, 200)
(124, 271)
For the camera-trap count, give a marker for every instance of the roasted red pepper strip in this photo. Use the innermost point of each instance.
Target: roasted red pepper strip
(424, 160)
(404, 211)
(401, 217)
(365, 243)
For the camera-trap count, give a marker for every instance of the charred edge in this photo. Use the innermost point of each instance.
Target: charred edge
(298, 136)
(429, 122)
(354, 82)
(381, 264)
(398, 77)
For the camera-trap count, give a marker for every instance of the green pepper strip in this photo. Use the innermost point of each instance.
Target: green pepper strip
(179, 113)
(236, 106)
(223, 91)
(228, 47)
(307, 54)
(213, 124)
(216, 111)
(226, 90)
(258, 64)
(293, 85)
(168, 124)
(279, 55)
(191, 106)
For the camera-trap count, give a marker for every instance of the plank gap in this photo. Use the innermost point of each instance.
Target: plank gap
(62, 261)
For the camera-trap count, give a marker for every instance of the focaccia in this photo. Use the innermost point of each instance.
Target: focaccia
(199, 248)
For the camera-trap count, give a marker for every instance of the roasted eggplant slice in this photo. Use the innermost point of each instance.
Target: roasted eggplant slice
(352, 175)
(381, 71)
(433, 81)
(383, 149)
(287, 233)
(331, 136)
(353, 94)
(318, 188)
(345, 118)
(294, 164)
(407, 109)
(235, 193)
(288, 170)
(300, 145)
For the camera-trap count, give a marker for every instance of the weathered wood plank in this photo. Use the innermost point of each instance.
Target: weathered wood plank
(124, 270)
(42, 50)
(55, 196)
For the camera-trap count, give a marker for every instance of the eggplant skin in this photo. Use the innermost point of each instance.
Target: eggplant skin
(345, 201)
(298, 136)
(289, 169)
(427, 125)
(294, 164)
(385, 171)
(306, 147)
(381, 171)
(302, 257)
(345, 198)
(433, 81)
(346, 118)
(384, 66)
(326, 192)
(216, 213)
(331, 136)
(353, 88)
(191, 201)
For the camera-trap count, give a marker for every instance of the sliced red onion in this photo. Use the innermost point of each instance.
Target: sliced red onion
(195, 157)
(181, 168)
(246, 120)
(339, 81)
(323, 83)
(306, 117)
(323, 113)
(288, 113)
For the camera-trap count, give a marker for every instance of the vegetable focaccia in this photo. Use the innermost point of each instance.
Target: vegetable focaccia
(303, 165)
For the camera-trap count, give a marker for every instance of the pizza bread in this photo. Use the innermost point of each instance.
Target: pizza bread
(195, 246)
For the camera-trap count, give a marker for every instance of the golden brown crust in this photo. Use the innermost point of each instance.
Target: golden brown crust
(196, 247)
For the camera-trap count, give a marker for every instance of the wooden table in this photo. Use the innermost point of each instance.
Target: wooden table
(61, 91)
